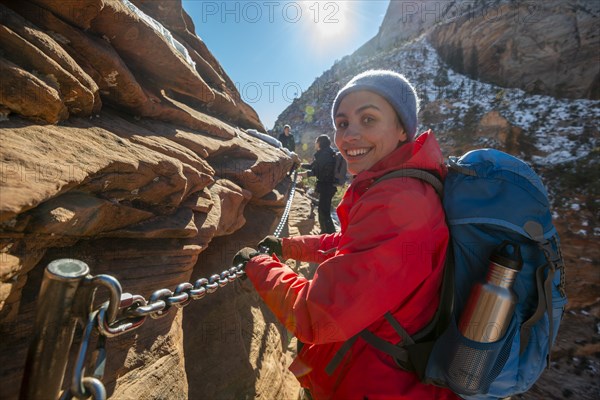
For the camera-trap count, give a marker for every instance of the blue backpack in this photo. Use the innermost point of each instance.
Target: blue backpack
(489, 197)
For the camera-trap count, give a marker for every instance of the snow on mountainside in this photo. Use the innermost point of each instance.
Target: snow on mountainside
(562, 130)
(549, 133)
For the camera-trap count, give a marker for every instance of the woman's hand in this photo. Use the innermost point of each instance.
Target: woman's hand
(272, 244)
(243, 256)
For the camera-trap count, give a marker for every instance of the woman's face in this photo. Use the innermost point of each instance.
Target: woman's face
(367, 129)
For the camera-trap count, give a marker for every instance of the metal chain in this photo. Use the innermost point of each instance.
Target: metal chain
(135, 309)
(288, 206)
(124, 312)
(82, 387)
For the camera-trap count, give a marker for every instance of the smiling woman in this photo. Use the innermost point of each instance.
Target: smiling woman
(355, 284)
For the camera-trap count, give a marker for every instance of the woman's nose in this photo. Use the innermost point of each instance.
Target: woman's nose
(352, 132)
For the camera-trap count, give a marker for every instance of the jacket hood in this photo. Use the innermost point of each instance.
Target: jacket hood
(422, 153)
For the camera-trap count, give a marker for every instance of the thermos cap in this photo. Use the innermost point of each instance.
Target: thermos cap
(508, 255)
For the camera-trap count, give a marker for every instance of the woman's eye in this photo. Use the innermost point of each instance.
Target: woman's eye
(342, 124)
(368, 120)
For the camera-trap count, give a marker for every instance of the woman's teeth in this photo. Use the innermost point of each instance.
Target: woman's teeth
(356, 152)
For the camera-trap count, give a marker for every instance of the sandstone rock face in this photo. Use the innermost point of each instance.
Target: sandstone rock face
(115, 149)
(556, 40)
(493, 125)
(405, 20)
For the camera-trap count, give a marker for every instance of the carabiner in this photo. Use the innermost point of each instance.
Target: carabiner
(118, 327)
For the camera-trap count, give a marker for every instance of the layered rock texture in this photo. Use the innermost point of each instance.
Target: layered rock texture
(123, 144)
(546, 47)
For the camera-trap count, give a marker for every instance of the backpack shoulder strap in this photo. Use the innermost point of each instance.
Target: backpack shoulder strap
(339, 356)
(418, 174)
(402, 354)
(544, 285)
(409, 360)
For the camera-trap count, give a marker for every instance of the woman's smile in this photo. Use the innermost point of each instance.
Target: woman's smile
(357, 152)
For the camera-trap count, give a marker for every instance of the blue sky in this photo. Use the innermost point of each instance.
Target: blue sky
(274, 50)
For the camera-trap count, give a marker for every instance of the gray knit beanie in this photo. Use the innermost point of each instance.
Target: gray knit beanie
(393, 87)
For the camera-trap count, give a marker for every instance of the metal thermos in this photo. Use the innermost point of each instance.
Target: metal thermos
(491, 304)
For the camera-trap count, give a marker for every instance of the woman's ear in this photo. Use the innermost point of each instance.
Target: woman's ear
(402, 136)
(400, 131)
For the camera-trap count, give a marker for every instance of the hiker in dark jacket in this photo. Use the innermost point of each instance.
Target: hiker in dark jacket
(322, 168)
(287, 139)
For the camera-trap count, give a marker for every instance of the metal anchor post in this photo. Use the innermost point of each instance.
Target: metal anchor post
(53, 330)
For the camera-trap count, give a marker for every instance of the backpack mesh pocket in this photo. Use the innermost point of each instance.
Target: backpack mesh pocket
(470, 367)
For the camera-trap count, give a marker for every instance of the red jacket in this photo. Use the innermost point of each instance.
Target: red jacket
(388, 256)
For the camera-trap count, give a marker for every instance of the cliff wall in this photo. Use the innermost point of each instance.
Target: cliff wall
(123, 143)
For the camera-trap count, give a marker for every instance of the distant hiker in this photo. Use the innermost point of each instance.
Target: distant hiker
(388, 257)
(322, 168)
(287, 139)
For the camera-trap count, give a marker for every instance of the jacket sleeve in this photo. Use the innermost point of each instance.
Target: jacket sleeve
(310, 248)
(310, 168)
(383, 257)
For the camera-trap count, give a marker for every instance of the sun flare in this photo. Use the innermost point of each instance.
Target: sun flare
(328, 18)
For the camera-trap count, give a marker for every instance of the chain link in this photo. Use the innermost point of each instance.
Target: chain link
(82, 387)
(288, 206)
(161, 300)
